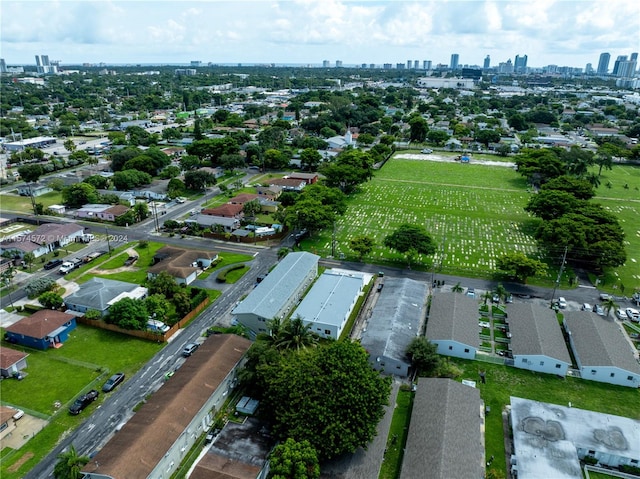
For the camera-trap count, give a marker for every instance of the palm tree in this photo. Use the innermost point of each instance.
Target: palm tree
(70, 464)
(457, 288)
(487, 296)
(294, 334)
(609, 304)
(501, 291)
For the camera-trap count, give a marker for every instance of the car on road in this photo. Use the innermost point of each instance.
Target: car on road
(633, 314)
(189, 349)
(621, 315)
(427, 151)
(598, 310)
(53, 263)
(83, 401)
(112, 382)
(562, 303)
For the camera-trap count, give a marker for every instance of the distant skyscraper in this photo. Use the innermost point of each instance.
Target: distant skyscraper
(400, 66)
(326, 63)
(520, 65)
(454, 61)
(43, 65)
(3, 66)
(616, 66)
(372, 65)
(338, 63)
(603, 64)
(427, 65)
(409, 63)
(416, 64)
(387, 66)
(487, 62)
(588, 69)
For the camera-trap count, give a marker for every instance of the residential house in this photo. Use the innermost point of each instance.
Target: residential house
(155, 440)
(225, 211)
(453, 325)
(288, 184)
(446, 432)
(12, 362)
(33, 189)
(269, 192)
(328, 304)
(601, 349)
(182, 264)
(537, 343)
(208, 221)
(278, 293)
(396, 319)
(101, 293)
(309, 178)
(550, 440)
(44, 239)
(57, 209)
(242, 198)
(101, 212)
(7, 423)
(44, 329)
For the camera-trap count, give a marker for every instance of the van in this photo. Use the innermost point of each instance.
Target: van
(157, 326)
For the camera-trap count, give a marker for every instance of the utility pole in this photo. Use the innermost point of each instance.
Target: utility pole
(557, 283)
(108, 244)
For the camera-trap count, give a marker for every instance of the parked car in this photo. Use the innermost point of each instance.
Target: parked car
(621, 315)
(471, 292)
(130, 260)
(83, 401)
(633, 314)
(66, 267)
(604, 296)
(562, 303)
(495, 298)
(189, 349)
(427, 151)
(586, 307)
(18, 414)
(112, 382)
(53, 263)
(157, 326)
(598, 310)
(509, 298)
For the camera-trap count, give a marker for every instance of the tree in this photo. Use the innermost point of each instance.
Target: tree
(457, 288)
(519, 266)
(410, 240)
(69, 145)
(294, 460)
(609, 304)
(418, 129)
(182, 302)
(309, 214)
(487, 136)
(70, 464)
(272, 137)
(310, 159)
(128, 313)
(79, 194)
(578, 187)
(29, 258)
(97, 181)
(50, 300)
(30, 173)
(140, 211)
(336, 423)
(170, 172)
(423, 355)
(190, 162)
(252, 208)
(437, 137)
(198, 179)
(163, 284)
(551, 204)
(128, 179)
(362, 245)
(294, 334)
(158, 306)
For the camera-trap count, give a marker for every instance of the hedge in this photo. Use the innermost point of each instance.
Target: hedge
(222, 275)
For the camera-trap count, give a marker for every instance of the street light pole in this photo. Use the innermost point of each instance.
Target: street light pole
(557, 283)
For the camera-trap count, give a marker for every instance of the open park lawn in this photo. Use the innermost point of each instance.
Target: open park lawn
(474, 212)
(84, 362)
(503, 382)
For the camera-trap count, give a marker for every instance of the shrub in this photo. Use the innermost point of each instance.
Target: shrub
(93, 314)
(143, 244)
(32, 308)
(198, 298)
(50, 300)
(38, 286)
(222, 275)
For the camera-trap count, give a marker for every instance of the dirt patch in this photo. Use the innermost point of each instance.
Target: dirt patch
(448, 159)
(129, 252)
(18, 464)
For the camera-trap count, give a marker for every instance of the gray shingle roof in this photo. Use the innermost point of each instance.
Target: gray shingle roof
(454, 316)
(445, 434)
(396, 318)
(599, 341)
(272, 294)
(535, 331)
(97, 292)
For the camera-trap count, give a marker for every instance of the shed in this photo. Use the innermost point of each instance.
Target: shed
(247, 405)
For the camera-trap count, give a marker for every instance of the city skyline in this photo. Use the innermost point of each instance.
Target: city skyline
(565, 33)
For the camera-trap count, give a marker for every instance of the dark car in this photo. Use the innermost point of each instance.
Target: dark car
(130, 260)
(83, 401)
(52, 263)
(189, 349)
(112, 382)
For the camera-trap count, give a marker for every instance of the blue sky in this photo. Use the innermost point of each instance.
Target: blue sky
(561, 32)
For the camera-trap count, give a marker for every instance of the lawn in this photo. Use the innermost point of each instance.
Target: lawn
(139, 273)
(23, 204)
(503, 382)
(84, 362)
(397, 438)
(226, 259)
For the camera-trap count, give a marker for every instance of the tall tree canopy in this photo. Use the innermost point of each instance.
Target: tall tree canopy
(410, 240)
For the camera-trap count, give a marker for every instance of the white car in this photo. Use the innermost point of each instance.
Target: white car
(562, 303)
(427, 151)
(18, 414)
(633, 314)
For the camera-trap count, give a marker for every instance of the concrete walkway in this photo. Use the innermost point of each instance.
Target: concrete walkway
(365, 464)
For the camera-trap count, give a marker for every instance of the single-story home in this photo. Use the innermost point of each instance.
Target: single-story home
(44, 239)
(288, 184)
(33, 189)
(57, 209)
(101, 293)
(242, 198)
(270, 192)
(537, 343)
(453, 325)
(601, 349)
(7, 423)
(446, 433)
(12, 362)
(42, 330)
(182, 264)
(309, 178)
(209, 221)
(101, 212)
(227, 210)
(396, 319)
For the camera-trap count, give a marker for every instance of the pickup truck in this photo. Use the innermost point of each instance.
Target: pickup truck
(69, 266)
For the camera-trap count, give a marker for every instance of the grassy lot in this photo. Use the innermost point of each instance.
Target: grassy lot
(23, 203)
(236, 274)
(139, 274)
(503, 382)
(84, 362)
(226, 259)
(397, 439)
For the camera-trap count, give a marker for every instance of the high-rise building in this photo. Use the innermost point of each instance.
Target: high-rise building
(588, 69)
(427, 65)
(43, 65)
(409, 63)
(400, 66)
(338, 63)
(3, 66)
(455, 58)
(387, 66)
(520, 65)
(487, 62)
(326, 64)
(603, 64)
(372, 65)
(416, 64)
(616, 66)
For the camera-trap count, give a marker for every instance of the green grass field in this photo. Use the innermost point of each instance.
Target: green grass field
(23, 204)
(84, 362)
(475, 214)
